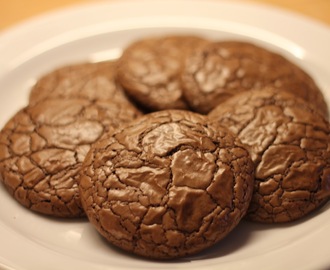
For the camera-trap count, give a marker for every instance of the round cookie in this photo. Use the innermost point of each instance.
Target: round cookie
(94, 81)
(149, 71)
(216, 71)
(166, 185)
(43, 146)
(289, 143)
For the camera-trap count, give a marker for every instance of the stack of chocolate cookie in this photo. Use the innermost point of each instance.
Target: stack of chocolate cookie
(168, 148)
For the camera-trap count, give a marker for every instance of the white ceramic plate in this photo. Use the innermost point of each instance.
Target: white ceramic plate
(99, 31)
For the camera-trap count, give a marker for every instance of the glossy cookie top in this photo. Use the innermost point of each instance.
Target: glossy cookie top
(149, 71)
(93, 81)
(218, 70)
(167, 184)
(289, 143)
(42, 148)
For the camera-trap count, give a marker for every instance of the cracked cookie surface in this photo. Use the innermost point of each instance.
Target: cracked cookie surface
(167, 184)
(42, 148)
(216, 71)
(149, 71)
(93, 81)
(289, 143)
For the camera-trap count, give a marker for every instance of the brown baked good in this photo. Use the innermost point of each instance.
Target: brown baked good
(94, 81)
(166, 185)
(216, 71)
(289, 143)
(42, 148)
(149, 71)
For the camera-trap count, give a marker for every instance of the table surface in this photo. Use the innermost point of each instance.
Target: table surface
(16, 11)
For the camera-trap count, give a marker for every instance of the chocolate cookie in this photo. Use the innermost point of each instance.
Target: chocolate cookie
(149, 71)
(94, 81)
(42, 148)
(216, 71)
(166, 185)
(289, 143)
